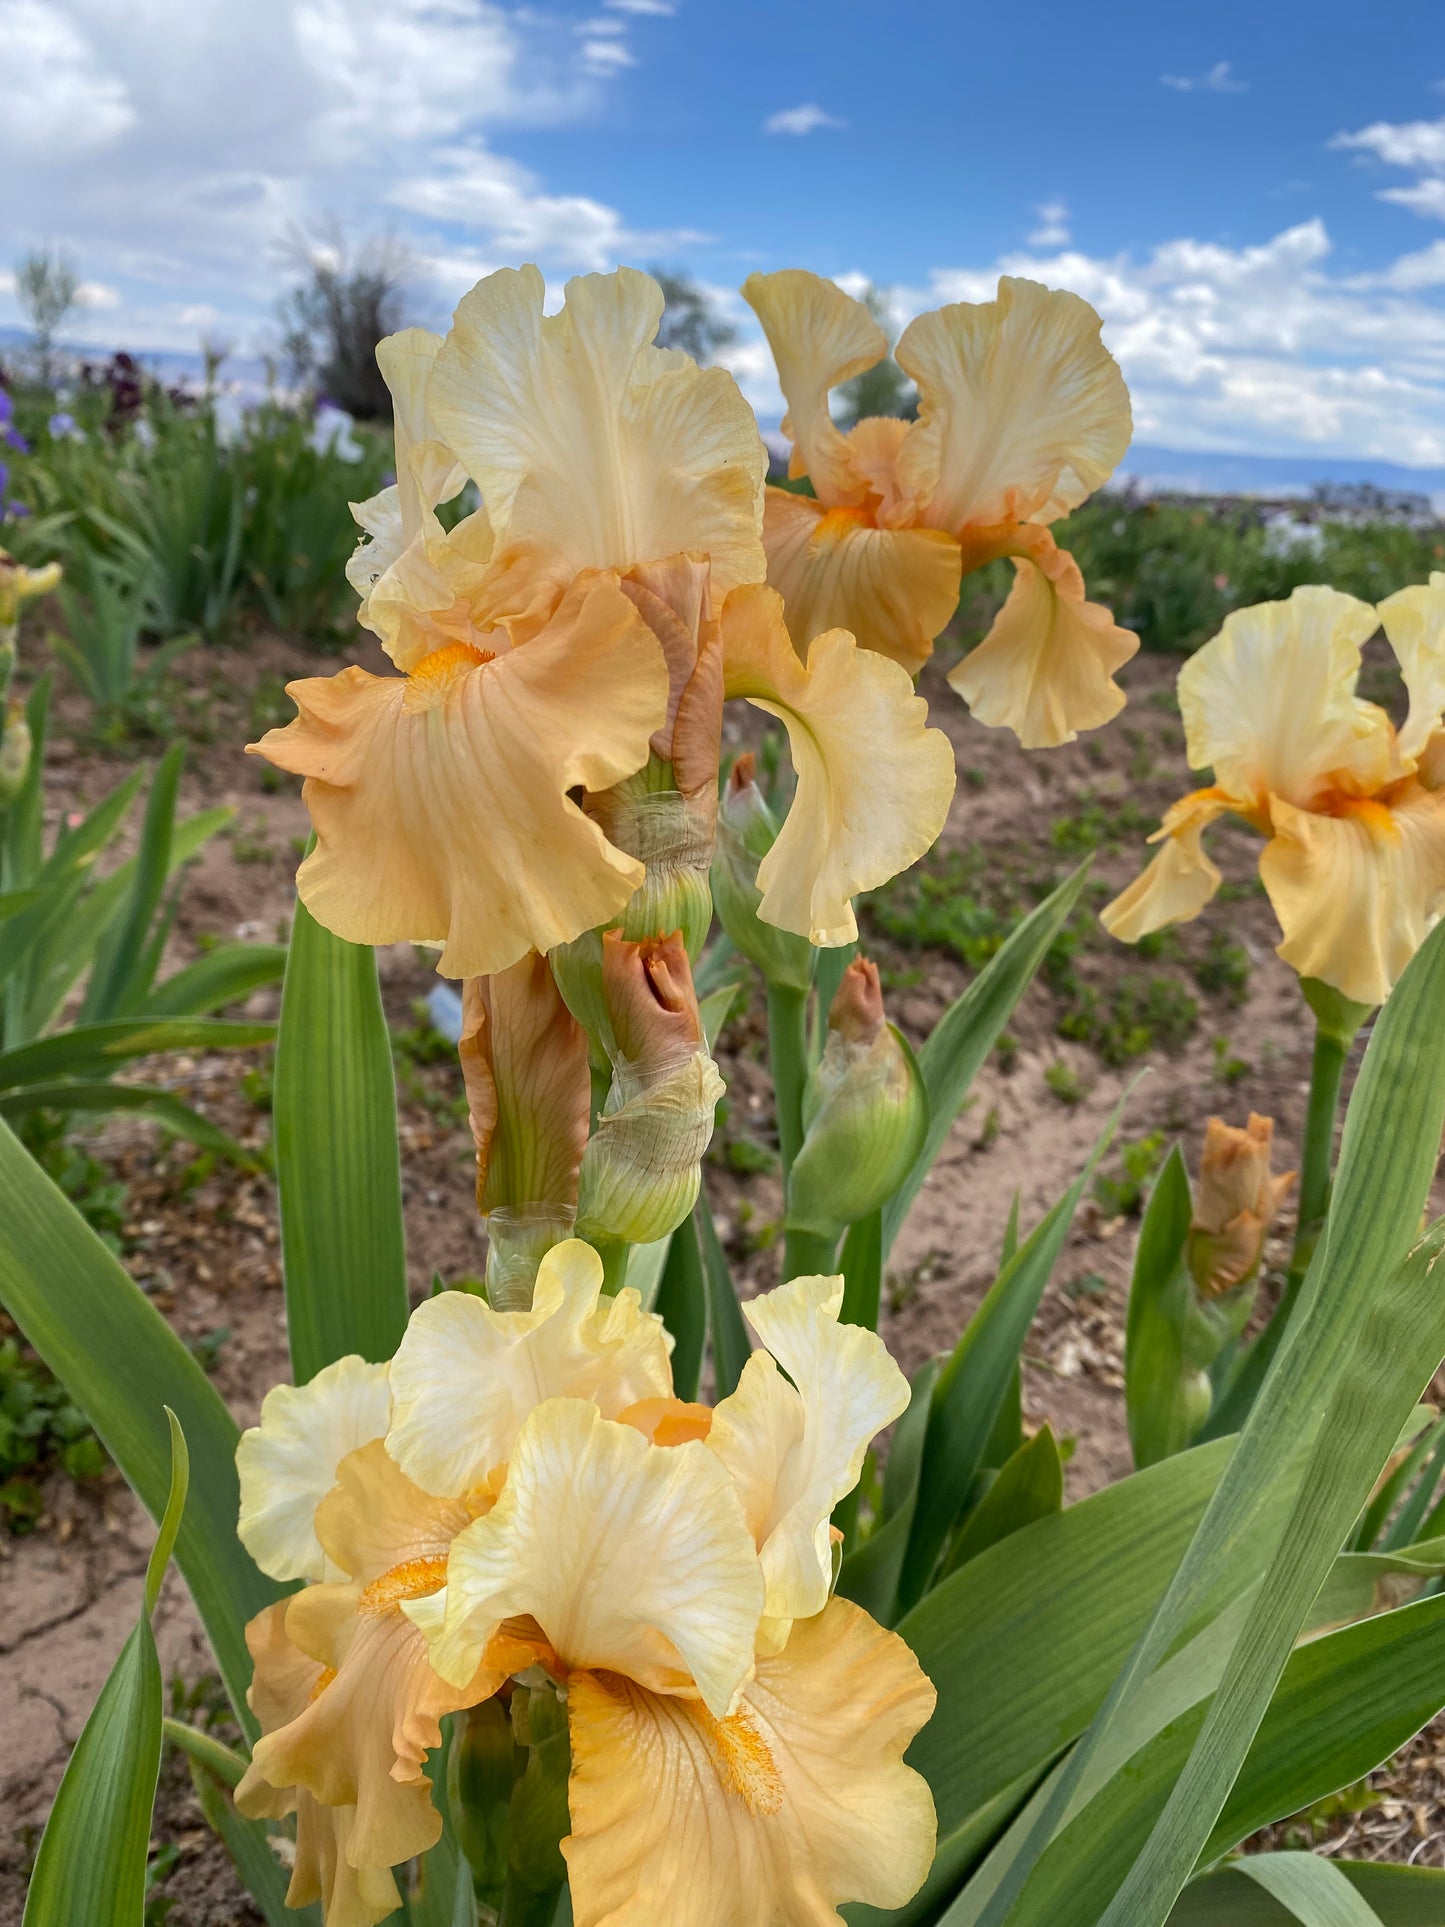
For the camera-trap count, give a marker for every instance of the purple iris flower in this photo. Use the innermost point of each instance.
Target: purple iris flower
(9, 433)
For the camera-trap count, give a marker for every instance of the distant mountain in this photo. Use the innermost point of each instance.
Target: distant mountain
(1208, 472)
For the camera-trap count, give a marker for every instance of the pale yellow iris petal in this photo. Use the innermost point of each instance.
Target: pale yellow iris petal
(440, 799)
(1269, 704)
(820, 338)
(287, 1464)
(874, 782)
(283, 1684)
(799, 1802)
(629, 1556)
(465, 1377)
(1175, 887)
(893, 589)
(362, 1739)
(1414, 621)
(591, 447)
(795, 1449)
(1045, 669)
(1357, 893)
(1022, 410)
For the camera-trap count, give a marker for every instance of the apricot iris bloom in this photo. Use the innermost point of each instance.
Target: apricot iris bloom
(1022, 414)
(1353, 810)
(561, 634)
(541, 1498)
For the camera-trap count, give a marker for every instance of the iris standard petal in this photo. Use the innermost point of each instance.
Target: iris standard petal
(796, 1803)
(820, 338)
(287, 1464)
(466, 1377)
(893, 589)
(591, 447)
(1414, 621)
(629, 1556)
(1269, 703)
(795, 1445)
(1356, 892)
(1045, 669)
(874, 782)
(440, 800)
(1022, 410)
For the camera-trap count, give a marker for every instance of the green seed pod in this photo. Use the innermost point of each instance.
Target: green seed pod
(746, 832)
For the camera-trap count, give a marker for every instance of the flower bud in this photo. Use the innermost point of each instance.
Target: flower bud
(865, 1113)
(642, 1168)
(15, 752)
(746, 831)
(19, 585)
(1235, 1202)
(524, 1064)
(672, 835)
(484, 1763)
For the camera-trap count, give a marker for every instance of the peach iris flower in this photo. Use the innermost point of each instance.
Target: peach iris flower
(1353, 809)
(1022, 414)
(737, 1733)
(564, 631)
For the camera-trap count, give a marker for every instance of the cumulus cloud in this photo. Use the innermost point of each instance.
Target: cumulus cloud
(58, 94)
(1220, 79)
(1417, 145)
(1053, 228)
(806, 119)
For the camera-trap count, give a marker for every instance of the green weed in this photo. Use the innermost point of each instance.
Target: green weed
(40, 1430)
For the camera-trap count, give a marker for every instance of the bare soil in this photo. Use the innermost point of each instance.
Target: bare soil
(202, 1238)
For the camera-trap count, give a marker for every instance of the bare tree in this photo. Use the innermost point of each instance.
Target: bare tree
(883, 389)
(47, 288)
(690, 321)
(348, 299)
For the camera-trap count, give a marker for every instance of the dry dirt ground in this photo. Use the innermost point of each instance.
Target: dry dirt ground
(202, 1239)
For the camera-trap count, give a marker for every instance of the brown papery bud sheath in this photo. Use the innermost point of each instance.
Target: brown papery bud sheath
(1235, 1203)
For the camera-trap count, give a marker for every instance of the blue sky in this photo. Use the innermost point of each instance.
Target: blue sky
(1253, 196)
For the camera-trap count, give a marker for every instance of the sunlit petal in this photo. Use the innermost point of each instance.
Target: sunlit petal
(630, 1556)
(1414, 621)
(287, 1464)
(1022, 410)
(591, 447)
(465, 1377)
(874, 782)
(440, 800)
(820, 338)
(893, 589)
(1181, 879)
(799, 1802)
(1269, 704)
(796, 1448)
(1045, 669)
(1357, 892)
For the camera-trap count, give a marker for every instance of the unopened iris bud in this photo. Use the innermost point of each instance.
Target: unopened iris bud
(484, 1763)
(15, 752)
(1235, 1202)
(19, 585)
(865, 1113)
(642, 1168)
(524, 1063)
(746, 831)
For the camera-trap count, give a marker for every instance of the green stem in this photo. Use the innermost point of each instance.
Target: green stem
(613, 1253)
(808, 1254)
(788, 1053)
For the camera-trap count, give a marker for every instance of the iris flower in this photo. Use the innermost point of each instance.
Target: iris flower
(1022, 414)
(566, 630)
(542, 1499)
(1353, 809)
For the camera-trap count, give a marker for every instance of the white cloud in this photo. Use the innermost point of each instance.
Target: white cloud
(1259, 348)
(1418, 145)
(603, 56)
(1053, 228)
(661, 9)
(801, 120)
(1220, 79)
(59, 97)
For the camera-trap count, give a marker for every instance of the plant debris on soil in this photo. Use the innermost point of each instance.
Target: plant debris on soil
(1201, 1020)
